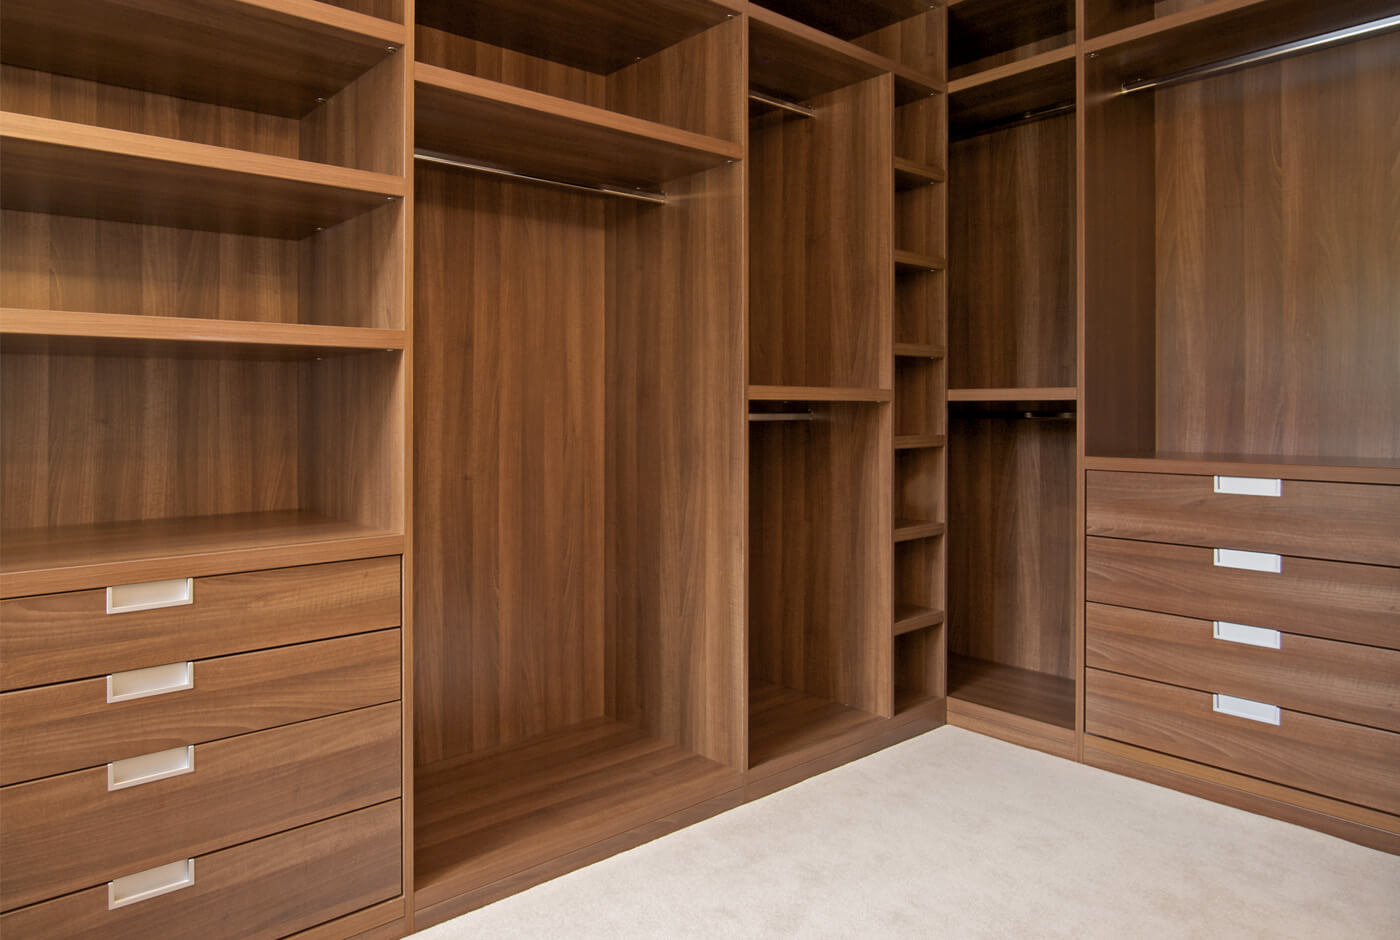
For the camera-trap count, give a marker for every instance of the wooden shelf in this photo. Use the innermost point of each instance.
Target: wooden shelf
(907, 530)
(919, 441)
(528, 132)
(919, 351)
(1038, 696)
(794, 60)
(485, 817)
(71, 558)
(1328, 469)
(980, 31)
(787, 727)
(817, 393)
(909, 174)
(77, 169)
(1013, 394)
(909, 618)
(848, 19)
(912, 261)
(271, 56)
(1023, 90)
(63, 331)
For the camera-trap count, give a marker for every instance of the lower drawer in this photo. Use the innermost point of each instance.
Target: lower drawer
(71, 832)
(265, 889)
(1353, 683)
(1345, 761)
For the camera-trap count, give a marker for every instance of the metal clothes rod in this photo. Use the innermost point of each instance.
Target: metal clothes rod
(782, 104)
(432, 156)
(1346, 34)
(760, 418)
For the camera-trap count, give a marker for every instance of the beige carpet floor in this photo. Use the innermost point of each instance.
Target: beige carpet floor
(953, 834)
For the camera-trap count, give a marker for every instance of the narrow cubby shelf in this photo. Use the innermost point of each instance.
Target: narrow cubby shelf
(908, 530)
(75, 557)
(911, 617)
(919, 351)
(919, 441)
(985, 34)
(818, 393)
(555, 138)
(64, 168)
(787, 726)
(1038, 696)
(64, 331)
(1013, 394)
(910, 174)
(271, 56)
(915, 262)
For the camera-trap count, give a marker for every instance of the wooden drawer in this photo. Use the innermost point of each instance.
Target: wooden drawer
(1341, 521)
(264, 889)
(57, 728)
(71, 832)
(1353, 683)
(59, 637)
(1333, 758)
(1351, 603)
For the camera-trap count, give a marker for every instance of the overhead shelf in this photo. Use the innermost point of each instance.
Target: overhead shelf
(982, 30)
(848, 19)
(1035, 87)
(817, 393)
(552, 138)
(64, 168)
(271, 56)
(911, 175)
(68, 332)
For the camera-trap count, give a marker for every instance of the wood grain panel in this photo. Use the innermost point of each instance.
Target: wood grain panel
(1011, 293)
(1320, 755)
(361, 125)
(919, 484)
(468, 56)
(258, 891)
(1359, 684)
(675, 465)
(1278, 247)
(1338, 521)
(58, 637)
(848, 20)
(70, 832)
(919, 397)
(696, 85)
(917, 42)
(1011, 539)
(820, 542)
(510, 461)
(820, 229)
(1037, 696)
(1351, 603)
(978, 29)
(788, 727)
(920, 668)
(57, 728)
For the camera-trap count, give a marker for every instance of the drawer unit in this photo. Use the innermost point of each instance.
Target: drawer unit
(258, 891)
(82, 829)
(1332, 758)
(1348, 602)
(1345, 681)
(61, 637)
(1353, 522)
(57, 728)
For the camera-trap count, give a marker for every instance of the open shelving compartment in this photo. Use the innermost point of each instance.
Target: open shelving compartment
(986, 35)
(204, 286)
(1217, 345)
(579, 386)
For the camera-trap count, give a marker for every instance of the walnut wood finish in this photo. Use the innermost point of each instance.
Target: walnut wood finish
(820, 234)
(1351, 603)
(920, 668)
(461, 54)
(788, 727)
(1338, 521)
(69, 832)
(848, 20)
(57, 728)
(1358, 684)
(1038, 696)
(1336, 470)
(58, 637)
(1009, 93)
(262, 889)
(980, 29)
(696, 85)
(1348, 762)
(918, 42)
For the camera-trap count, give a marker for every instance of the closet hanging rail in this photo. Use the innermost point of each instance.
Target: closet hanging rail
(782, 104)
(1321, 41)
(639, 195)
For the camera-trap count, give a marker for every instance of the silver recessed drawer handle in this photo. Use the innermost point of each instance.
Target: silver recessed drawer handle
(1248, 486)
(151, 883)
(148, 768)
(150, 595)
(1245, 708)
(1248, 561)
(153, 680)
(1249, 636)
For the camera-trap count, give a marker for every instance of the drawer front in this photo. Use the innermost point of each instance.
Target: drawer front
(1351, 603)
(71, 832)
(1344, 761)
(53, 729)
(59, 637)
(1352, 683)
(1341, 521)
(262, 890)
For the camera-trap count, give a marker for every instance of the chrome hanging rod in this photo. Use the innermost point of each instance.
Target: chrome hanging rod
(1336, 36)
(762, 418)
(782, 104)
(639, 195)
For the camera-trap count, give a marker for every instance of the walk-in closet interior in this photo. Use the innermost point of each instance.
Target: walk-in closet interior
(448, 442)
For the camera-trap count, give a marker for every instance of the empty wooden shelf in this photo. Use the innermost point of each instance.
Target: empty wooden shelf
(911, 617)
(787, 727)
(1038, 696)
(910, 175)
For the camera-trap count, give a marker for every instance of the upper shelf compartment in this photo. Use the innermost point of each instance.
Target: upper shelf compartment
(1037, 87)
(271, 56)
(849, 19)
(984, 34)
